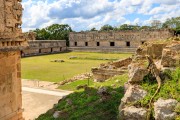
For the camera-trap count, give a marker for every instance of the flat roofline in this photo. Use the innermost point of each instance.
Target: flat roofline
(46, 40)
(122, 31)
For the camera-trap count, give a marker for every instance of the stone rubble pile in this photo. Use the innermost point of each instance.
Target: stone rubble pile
(110, 69)
(165, 55)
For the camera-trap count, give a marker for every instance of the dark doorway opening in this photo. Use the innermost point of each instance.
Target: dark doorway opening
(98, 44)
(112, 43)
(128, 44)
(75, 43)
(86, 43)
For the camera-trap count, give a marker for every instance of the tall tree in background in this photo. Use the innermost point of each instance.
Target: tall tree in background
(156, 24)
(106, 28)
(54, 32)
(93, 29)
(129, 27)
(173, 23)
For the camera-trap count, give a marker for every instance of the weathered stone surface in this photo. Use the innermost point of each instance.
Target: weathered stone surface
(133, 113)
(102, 91)
(122, 41)
(136, 72)
(164, 109)
(133, 93)
(108, 70)
(11, 42)
(56, 114)
(171, 55)
(155, 50)
(10, 86)
(30, 36)
(11, 36)
(39, 47)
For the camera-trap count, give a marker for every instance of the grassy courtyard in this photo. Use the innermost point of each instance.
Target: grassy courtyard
(41, 67)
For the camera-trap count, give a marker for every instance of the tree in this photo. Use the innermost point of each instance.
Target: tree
(54, 32)
(106, 28)
(173, 23)
(145, 27)
(129, 27)
(93, 29)
(156, 24)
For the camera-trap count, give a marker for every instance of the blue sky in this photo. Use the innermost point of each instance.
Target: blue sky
(86, 14)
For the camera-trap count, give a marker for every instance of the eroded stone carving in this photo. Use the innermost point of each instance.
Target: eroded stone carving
(10, 24)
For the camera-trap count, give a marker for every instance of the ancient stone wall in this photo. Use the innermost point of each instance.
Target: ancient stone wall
(108, 70)
(10, 86)
(39, 47)
(11, 42)
(120, 40)
(29, 35)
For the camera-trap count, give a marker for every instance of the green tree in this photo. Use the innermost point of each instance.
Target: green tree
(106, 28)
(41, 34)
(93, 29)
(173, 23)
(54, 32)
(156, 24)
(129, 27)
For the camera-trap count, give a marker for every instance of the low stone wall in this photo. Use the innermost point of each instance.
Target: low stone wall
(106, 71)
(39, 47)
(103, 49)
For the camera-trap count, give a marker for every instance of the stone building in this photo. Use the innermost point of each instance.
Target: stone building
(120, 41)
(11, 42)
(40, 47)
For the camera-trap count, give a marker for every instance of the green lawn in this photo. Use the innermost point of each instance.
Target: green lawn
(41, 68)
(87, 104)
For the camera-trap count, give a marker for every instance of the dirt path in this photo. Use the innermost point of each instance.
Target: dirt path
(37, 101)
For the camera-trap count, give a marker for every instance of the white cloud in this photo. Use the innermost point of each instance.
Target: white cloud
(86, 14)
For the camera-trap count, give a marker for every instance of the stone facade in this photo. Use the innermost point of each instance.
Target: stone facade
(30, 35)
(39, 47)
(10, 86)
(11, 42)
(118, 41)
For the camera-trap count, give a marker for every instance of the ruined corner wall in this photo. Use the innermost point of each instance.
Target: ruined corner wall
(39, 47)
(10, 86)
(124, 41)
(11, 42)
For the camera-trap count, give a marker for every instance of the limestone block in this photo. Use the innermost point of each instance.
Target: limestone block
(133, 113)
(136, 72)
(133, 93)
(164, 109)
(171, 55)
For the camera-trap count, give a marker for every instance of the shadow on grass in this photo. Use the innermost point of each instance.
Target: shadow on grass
(87, 104)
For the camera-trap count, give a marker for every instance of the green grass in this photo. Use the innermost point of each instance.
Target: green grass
(170, 88)
(87, 104)
(110, 82)
(41, 68)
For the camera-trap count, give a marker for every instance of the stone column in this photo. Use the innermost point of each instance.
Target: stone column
(11, 43)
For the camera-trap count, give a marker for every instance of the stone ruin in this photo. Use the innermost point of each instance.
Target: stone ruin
(30, 36)
(42, 47)
(106, 71)
(150, 58)
(115, 41)
(11, 42)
